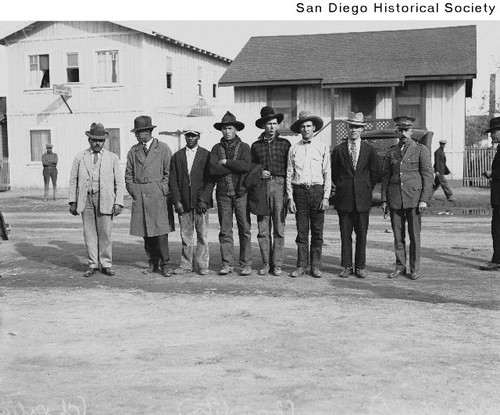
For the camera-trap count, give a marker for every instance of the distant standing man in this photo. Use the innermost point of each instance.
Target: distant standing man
(96, 191)
(406, 188)
(440, 171)
(354, 174)
(271, 151)
(494, 176)
(229, 161)
(308, 184)
(146, 178)
(49, 163)
(191, 186)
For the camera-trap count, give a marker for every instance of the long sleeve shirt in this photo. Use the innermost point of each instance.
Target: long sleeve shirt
(49, 160)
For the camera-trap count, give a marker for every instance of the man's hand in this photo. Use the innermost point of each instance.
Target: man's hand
(324, 205)
(72, 209)
(179, 209)
(291, 206)
(117, 209)
(222, 162)
(202, 207)
(266, 174)
(422, 206)
(384, 208)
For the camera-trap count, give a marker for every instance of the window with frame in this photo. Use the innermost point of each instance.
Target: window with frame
(284, 99)
(214, 85)
(38, 140)
(200, 86)
(364, 100)
(39, 71)
(112, 143)
(169, 72)
(107, 67)
(72, 67)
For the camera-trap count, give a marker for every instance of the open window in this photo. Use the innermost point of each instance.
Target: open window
(39, 71)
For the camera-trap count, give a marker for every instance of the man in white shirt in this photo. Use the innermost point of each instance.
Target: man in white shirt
(308, 183)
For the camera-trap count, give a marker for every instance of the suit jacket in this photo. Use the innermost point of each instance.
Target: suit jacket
(495, 180)
(111, 187)
(191, 188)
(147, 181)
(354, 189)
(440, 162)
(407, 179)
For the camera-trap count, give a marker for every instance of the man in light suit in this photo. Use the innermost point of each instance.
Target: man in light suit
(406, 189)
(354, 174)
(96, 191)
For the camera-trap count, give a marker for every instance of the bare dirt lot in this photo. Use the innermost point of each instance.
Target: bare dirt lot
(144, 344)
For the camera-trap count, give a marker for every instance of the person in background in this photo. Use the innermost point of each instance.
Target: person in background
(49, 163)
(440, 171)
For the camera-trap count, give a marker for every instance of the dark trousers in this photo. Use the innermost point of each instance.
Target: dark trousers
(495, 234)
(226, 206)
(49, 173)
(357, 222)
(156, 248)
(440, 180)
(309, 217)
(399, 219)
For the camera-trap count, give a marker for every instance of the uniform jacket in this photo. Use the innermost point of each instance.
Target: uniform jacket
(495, 180)
(111, 187)
(191, 188)
(440, 162)
(147, 181)
(408, 179)
(354, 189)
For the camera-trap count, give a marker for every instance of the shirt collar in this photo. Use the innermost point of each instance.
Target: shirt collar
(147, 144)
(192, 150)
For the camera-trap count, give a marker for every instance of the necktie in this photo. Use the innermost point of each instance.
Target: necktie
(96, 157)
(145, 147)
(353, 154)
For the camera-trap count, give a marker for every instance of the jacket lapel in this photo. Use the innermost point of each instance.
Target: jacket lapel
(347, 157)
(183, 160)
(139, 153)
(197, 159)
(363, 153)
(89, 163)
(152, 153)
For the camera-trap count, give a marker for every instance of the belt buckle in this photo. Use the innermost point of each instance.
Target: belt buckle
(308, 186)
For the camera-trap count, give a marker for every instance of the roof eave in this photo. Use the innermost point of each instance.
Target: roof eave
(272, 83)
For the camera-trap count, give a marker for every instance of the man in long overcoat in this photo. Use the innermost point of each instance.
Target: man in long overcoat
(147, 181)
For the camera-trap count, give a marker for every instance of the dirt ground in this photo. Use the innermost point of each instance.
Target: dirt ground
(144, 344)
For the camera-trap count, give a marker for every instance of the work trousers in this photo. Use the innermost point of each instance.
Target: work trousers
(495, 233)
(190, 222)
(157, 250)
(49, 173)
(399, 219)
(357, 222)
(440, 180)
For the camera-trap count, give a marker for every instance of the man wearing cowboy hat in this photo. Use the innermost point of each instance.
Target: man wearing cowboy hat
(96, 191)
(147, 181)
(440, 170)
(229, 161)
(191, 186)
(354, 174)
(308, 184)
(494, 177)
(49, 163)
(271, 151)
(406, 188)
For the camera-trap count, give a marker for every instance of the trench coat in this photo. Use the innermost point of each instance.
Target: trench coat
(147, 182)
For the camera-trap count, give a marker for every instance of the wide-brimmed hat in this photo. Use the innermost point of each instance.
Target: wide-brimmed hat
(305, 116)
(97, 132)
(494, 125)
(357, 119)
(404, 121)
(48, 146)
(143, 122)
(267, 113)
(229, 119)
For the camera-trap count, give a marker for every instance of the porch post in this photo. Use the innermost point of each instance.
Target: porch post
(332, 125)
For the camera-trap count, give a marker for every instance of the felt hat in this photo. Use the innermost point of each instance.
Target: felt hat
(267, 113)
(305, 116)
(494, 125)
(229, 119)
(97, 132)
(143, 122)
(357, 119)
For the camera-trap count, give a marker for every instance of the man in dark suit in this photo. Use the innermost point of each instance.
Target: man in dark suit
(406, 188)
(494, 176)
(354, 174)
(440, 171)
(191, 187)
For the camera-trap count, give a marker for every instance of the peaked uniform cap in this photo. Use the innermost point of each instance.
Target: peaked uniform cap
(97, 132)
(229, 119)
(305, 116)
(404, 121)
(267, 113)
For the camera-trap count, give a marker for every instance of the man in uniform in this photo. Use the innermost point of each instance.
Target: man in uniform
(49, 163)
(440, 171)
(406, 188)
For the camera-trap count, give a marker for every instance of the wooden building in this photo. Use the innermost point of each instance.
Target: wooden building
(424, 73)
(110, 73)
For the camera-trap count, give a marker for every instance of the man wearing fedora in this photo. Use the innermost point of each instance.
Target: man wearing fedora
(49, 163)
(147, 181)
(406, 189)
(230, 160)
(354, 174)
(96, 191)
(308, 184)
(271, 152)
(440, 171)
(494, 177)
(191, 186)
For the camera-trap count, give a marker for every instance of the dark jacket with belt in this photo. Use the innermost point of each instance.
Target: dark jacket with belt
(190, 188)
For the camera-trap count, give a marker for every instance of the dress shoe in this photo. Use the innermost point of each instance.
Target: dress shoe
(489, 266)
(90, 272)
(360, 273)
(203, 271)
(247, 270)
(396, 273)
(298, 272)
(277, 271)
(150, 269)
(108, 271)
(316, 272)
(165, 271)
(226, 269)
(414, 276)
(264, 270)
(181, 271)
(346, 272)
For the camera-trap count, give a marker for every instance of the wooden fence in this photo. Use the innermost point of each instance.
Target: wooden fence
(477, 161)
